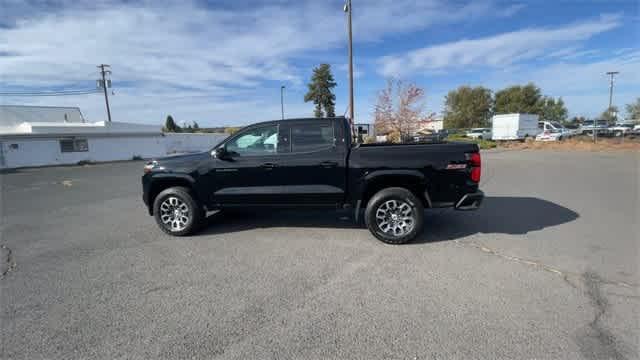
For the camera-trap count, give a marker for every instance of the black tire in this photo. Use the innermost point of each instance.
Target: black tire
(194, 211)
(380, 200)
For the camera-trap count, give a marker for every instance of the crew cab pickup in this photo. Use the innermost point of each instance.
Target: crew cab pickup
(313, 163)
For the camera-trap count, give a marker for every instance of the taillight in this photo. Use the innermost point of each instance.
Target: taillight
(476, 167)
(475, 160)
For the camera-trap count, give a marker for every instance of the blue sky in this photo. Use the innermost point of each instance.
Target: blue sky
(223, 62)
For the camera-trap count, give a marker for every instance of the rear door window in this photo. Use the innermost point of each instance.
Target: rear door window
(312, 136)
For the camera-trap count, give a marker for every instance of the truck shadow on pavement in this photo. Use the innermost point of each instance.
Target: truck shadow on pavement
(497, 215)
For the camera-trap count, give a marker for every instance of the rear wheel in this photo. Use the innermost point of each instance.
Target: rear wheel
(394, 215)
(177, 212)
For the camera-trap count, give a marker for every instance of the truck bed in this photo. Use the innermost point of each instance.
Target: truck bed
(430, 160)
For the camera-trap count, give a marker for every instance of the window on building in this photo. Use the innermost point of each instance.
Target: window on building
(312, 136)
(74, 145)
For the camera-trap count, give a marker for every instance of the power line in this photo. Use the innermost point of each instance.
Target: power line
(52, 93)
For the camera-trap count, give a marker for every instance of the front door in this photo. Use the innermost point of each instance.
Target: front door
(246, 176)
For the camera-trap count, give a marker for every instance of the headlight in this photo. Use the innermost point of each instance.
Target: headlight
(150, 166)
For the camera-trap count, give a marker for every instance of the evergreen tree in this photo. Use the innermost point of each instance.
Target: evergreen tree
(196, 126)
(320, 91)
(170, 125)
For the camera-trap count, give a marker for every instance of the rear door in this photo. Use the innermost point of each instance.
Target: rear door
(314, 169)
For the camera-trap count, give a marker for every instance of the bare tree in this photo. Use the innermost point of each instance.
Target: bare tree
(399, 110)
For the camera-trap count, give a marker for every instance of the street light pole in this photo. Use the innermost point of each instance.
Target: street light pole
(348, 10)
(282, 100)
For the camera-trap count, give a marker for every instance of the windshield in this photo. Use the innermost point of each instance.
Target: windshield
(557, 125)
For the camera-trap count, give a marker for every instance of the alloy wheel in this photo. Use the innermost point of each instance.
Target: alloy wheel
(174, 213)
(395, 217)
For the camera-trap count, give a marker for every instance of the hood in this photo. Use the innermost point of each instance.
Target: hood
(183, 162)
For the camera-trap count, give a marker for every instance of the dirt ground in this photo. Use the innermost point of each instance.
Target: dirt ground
(579, 143)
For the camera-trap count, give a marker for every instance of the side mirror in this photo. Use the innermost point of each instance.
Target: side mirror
(220, 153)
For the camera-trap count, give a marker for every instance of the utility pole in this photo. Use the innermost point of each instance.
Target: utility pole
(611, 74)
(348, 10)
(595, 122)
(282, 100)
(104, 71)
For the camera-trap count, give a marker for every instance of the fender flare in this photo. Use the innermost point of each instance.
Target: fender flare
(380, 173)
(164, 176)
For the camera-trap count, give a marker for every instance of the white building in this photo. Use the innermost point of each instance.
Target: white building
(431, 124)
(36, 135)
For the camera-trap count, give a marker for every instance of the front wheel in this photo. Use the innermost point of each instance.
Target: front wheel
(394, 215)
(177, 212)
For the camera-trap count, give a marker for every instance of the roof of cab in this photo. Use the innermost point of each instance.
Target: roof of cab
(297, 119)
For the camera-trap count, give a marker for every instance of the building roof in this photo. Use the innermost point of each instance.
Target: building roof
(12, 115)
(47, 120)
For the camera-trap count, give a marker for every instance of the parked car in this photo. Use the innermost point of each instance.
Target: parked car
(430, 136)
(550, 135)
(554, 130)
(588, 127)
(514, 126)
(479, 133)
(621, 129)
(312, 163)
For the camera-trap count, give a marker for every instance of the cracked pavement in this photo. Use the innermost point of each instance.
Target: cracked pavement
(548, 268)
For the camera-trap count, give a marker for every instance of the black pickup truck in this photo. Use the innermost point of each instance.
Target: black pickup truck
(312, 163)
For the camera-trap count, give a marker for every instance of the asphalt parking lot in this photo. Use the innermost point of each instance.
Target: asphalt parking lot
(548, 268)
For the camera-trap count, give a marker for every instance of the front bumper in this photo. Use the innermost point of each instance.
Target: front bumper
(470, 201)
(146, 182)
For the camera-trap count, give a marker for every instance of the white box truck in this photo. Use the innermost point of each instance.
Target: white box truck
(514, 126)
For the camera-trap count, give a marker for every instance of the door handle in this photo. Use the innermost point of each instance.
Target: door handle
(328, 164)
(268, 166)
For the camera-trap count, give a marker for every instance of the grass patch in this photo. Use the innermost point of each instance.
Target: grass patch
(482, 144)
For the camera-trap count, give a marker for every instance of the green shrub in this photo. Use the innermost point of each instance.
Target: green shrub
(483, 144)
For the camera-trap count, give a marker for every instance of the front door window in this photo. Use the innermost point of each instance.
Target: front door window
(258, 141)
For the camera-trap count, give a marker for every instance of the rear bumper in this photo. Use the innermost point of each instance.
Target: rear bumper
(470, 201)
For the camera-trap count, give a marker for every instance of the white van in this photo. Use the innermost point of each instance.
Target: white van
(555, 127)
(515, 126)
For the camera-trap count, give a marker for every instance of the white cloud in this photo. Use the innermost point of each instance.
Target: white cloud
(495, 51)
(212, 64)
(585, 86)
